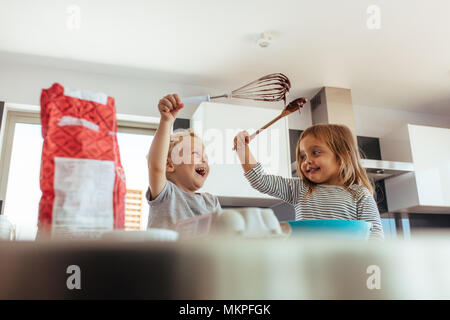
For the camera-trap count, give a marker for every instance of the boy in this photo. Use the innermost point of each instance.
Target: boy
(177, 167)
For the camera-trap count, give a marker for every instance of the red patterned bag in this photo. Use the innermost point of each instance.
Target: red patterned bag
(82, 180)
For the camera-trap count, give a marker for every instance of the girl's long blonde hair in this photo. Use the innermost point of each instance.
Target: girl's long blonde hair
(340, 140)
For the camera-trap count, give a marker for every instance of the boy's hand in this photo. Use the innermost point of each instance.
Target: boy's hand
(169, 106)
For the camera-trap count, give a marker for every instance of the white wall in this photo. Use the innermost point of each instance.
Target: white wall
(378, 121)
(22, 82)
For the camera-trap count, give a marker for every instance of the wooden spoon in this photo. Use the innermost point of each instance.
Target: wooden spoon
(293, 106)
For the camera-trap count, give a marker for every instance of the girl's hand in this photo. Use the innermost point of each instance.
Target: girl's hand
(169, 106)
(246, 158)
(241, 140)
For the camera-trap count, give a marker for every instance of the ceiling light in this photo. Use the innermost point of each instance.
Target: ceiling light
(264, 40)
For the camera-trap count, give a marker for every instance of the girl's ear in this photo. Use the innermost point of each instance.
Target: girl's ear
(169, 166)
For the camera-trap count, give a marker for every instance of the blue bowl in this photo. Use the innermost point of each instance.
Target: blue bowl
(354, 229)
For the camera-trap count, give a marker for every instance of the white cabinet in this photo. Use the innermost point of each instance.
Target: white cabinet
(218, 124)
(427, 189)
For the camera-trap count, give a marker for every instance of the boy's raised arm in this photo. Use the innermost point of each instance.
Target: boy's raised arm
(169, 106)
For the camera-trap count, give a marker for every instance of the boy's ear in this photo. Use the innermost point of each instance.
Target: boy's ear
(169, 166)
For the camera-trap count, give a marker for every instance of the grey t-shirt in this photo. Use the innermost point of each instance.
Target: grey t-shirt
(174, 204)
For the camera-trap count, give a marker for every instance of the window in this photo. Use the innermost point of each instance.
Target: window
(22, 192)
(21, 160)
(133, 150)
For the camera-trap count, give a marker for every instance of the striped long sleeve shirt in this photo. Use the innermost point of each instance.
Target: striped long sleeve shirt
(325, 202)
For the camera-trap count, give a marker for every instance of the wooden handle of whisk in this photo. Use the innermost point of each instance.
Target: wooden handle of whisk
(266, 126)
(252, 136)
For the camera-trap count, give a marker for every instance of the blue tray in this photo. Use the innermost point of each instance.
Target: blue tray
(355, 229)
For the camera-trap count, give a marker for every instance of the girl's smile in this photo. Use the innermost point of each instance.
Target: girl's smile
(312, 170)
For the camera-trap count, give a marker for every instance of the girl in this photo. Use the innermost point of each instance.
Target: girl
(332, 183)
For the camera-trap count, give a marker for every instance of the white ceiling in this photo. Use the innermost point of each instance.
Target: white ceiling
(405, 64)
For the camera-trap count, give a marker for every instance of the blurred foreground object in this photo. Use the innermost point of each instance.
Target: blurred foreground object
(152, 234)
(230, 268)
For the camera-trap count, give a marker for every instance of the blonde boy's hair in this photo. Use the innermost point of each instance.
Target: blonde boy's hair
(177, 137)
(341, 142)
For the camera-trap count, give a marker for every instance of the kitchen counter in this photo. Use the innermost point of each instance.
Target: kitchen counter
(217, 268)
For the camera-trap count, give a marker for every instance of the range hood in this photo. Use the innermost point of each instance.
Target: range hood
(377, 169)
(334, 105)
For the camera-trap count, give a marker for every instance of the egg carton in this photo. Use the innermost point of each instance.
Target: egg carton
(236, 222)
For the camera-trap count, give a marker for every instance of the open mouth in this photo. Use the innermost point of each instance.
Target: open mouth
(201, 171)
(312, 170)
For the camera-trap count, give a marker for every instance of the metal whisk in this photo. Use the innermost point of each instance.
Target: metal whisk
(272, 87)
